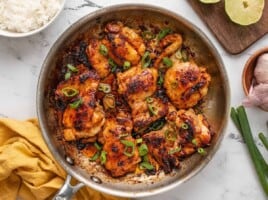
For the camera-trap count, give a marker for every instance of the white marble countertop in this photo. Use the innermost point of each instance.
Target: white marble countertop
(230, 174)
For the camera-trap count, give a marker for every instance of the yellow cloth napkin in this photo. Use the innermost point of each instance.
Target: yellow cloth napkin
(27, 168)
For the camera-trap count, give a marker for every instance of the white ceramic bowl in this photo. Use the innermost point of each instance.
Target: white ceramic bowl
(7, 33)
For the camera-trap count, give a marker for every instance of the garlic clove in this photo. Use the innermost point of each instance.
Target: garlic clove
(261, 69)
(258, 96)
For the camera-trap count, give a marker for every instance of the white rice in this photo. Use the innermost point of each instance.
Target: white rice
(26, 15)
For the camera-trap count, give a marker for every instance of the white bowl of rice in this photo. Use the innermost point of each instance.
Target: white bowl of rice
(20, 18)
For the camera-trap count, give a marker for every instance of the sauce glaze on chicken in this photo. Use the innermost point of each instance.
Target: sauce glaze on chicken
(129, 101)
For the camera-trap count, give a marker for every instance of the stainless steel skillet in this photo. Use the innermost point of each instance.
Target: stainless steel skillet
(216, 103)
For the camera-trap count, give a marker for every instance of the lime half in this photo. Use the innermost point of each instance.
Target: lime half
(244, 12)
(209, 1)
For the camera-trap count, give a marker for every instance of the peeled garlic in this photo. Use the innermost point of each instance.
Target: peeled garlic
(261, 69)
(258, 96)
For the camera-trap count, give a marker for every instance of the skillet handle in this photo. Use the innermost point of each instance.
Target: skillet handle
(67, 190)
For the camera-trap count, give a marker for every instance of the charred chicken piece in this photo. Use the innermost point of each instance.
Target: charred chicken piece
(122, 155)
(192, 130)
(186, 84)
(138, 85)
(170, 44)
(163, 148)
(126, 44)
(83, 117)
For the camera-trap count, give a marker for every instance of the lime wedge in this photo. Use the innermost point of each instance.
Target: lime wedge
(244, 12)
(209, 1)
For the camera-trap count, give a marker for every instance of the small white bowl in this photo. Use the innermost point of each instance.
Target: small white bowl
(7, 33)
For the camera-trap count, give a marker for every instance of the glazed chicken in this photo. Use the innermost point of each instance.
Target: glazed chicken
(83, 116)
(138, 86)
(121, 159)
(186, 84)
(192, 130)
(125, 43)
(163, 149)
(131, 108)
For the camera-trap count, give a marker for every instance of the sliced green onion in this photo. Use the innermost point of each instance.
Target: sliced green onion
(126, 65)
(112, 64)
(147, 35)
(146, 60)
(96, 144)
(163, 33)
(149, 100)
(143, 150)
(178, 54)
(167, 62)
(108, 101)
(139, 140)
(69, 92)
(184, 126)
(152, 109)
(76, 103)
(157, 125)
(128, 144)
(194, 142)
(103, 50)
(184, 55)
(103, 157)
(72, 68)
(122, 135)
(170, 135)
(67, 75)
(145, 158)
(201, 151)
(106, 88)
(95, 157)
(146, 165)
(172, 151)
(160, 79)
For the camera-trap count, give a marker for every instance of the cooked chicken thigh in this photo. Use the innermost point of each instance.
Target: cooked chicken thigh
(120, 158)
(186, 84)
(138, 86)
(83, 116)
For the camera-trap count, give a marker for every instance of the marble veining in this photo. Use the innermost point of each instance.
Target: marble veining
(229, 175)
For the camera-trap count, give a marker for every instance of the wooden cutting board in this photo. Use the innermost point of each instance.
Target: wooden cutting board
(234, 38)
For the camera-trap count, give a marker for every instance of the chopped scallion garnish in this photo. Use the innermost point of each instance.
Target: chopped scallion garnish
(146, 165)
(201, 151)
(69, 92)
(76, 103)
(152, 109)
(149, 100)
(103, 50)
(128, 145)
(170, 135)
(126, 65)
(172, 151)
(103, 87)
(184, 126)
(167, 62)
(96, 144)
(163, 33)
(146, 60)
(103, 157)
(139, 140)
(112, 64)
(143, 150)
(67, 75)
(72, 68)
(95, 157)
